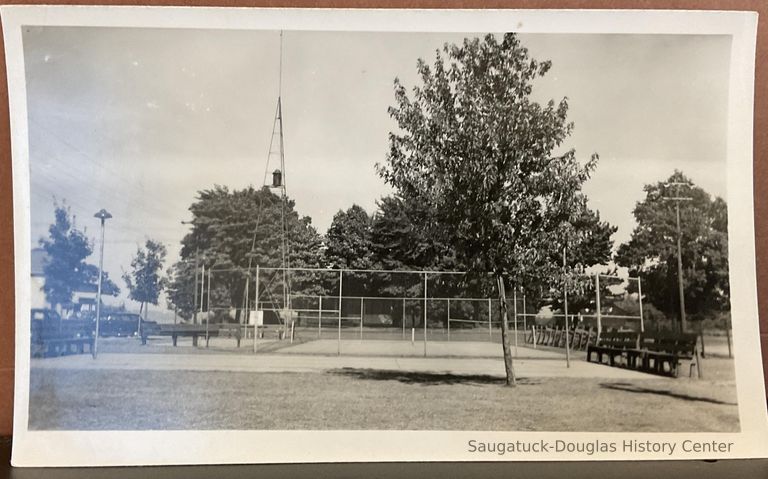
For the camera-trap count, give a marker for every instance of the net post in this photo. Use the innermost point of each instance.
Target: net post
(425, 314)
(338, 342)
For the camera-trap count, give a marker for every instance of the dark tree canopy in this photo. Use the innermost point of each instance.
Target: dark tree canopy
(349, 240)
(652, 250)
(402, 242)
(232, 230)
(65, 269)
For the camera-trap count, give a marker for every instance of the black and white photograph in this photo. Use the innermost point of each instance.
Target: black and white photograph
(358, 231)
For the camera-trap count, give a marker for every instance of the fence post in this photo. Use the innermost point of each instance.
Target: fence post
(598, 311)
(320, 317)
(490, 330)
(525, 318)
(207, 309)
(402, 320)
(256, 321)
(362, 315)
(449, 319)
(640, 300)
(514, 313)
(425, 314)
(533, 331)
(338, 343)
(565, 310)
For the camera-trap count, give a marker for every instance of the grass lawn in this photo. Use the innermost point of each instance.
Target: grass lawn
(71, 399)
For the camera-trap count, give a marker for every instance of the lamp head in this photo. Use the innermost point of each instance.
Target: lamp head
(102, 215)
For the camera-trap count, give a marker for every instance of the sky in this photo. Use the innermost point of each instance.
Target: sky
(138, 120)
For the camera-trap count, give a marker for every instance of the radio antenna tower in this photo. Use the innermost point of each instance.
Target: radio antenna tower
(275, 158)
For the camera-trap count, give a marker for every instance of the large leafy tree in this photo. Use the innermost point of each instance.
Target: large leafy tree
(180, 287)
(349, 240)
(485, 158)
(349, 246)
(65, 269)
(401, 242)
(652, 250)
(145, 281)
(232, 233)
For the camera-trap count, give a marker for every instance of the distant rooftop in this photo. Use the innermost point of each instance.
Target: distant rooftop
(39, 258)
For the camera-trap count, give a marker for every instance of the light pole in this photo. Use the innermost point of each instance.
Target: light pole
(681, 290)
(102, 215)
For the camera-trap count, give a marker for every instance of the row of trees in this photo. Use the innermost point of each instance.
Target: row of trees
(66, 270)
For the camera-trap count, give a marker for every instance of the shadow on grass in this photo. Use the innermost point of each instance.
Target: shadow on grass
(424, 378)
(662, 392)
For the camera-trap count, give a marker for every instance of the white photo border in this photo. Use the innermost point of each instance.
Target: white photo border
(108, 448)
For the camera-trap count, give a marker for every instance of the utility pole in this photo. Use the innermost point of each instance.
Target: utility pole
(681, 290)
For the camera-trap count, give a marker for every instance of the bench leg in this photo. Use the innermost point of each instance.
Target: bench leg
(194, 340)
(697, 360)
(175, 338)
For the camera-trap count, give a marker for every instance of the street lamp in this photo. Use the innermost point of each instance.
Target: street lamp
(103, 215)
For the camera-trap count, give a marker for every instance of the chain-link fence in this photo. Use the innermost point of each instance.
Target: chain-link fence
(300, 305)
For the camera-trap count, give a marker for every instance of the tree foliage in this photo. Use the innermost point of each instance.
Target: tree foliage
(487, 162)
(65, 269)
(652, 250)
(145, 282)
(482, 156)
(349, 241)
(232, 230)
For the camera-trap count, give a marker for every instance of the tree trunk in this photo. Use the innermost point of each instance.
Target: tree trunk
(508, 365)
(141, 311)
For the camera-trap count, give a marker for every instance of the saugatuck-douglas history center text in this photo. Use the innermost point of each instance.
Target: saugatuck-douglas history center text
(627, 446)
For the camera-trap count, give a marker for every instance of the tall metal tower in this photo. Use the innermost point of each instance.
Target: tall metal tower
(275, 159)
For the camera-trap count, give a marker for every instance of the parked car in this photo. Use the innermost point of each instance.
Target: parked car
(119, 324)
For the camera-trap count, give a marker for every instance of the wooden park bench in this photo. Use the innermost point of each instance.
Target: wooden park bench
(55, 338)
(657, 353)
(663, 352)
(619, 347)
(194, 331)
(578, 338)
